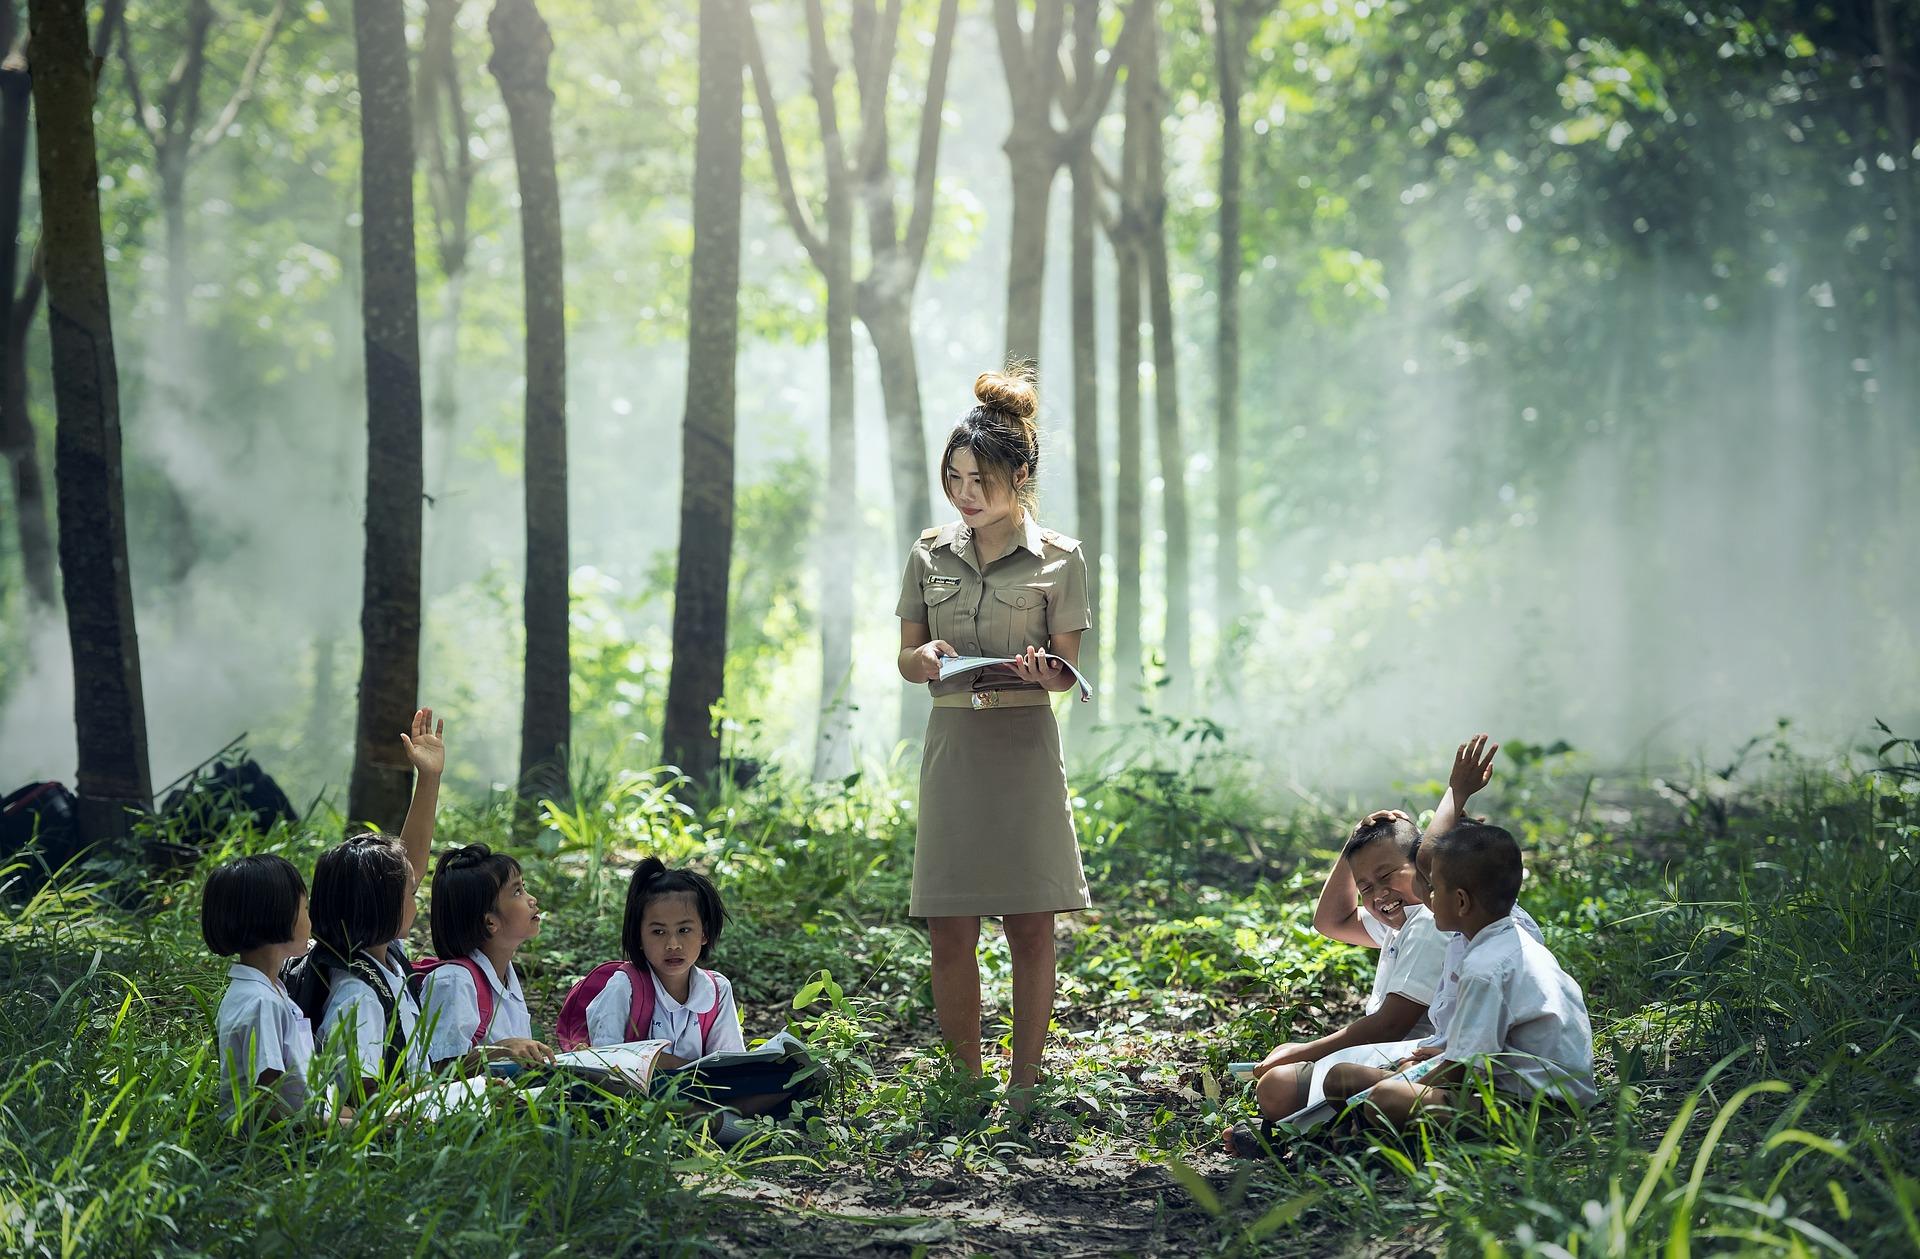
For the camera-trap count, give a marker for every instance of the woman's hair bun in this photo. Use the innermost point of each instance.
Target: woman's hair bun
(1013, 391)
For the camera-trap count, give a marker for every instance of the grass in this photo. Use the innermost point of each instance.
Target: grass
(1746, 935)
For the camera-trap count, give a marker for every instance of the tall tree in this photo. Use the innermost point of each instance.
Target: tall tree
(17, 443)
(390, 309)
(1124, 232)
(522, 48)
(883, 298)
(1089, 505)
(1904, 256)
(445, 132)
(698, 679)
(109, 707)
(831, 251)
(1227, 46)
(1036, 147)
(172, 124)
(1178, 645)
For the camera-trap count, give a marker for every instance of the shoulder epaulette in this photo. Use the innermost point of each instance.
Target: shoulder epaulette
(1060, 540)
(930, 533)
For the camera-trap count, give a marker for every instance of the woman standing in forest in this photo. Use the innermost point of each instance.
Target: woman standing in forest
(996, 825)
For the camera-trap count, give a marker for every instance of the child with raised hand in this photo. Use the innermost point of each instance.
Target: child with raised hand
(1369, 900)
(1516, 1015)
(363, 905)
(660, 991)
(1472, 771)
(255, 909)
(470, 997)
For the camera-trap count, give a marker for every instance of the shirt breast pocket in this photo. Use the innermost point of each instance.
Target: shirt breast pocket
(1020, 618)
(942, 609)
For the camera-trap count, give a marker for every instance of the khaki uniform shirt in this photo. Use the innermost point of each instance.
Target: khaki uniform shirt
(1034, 591)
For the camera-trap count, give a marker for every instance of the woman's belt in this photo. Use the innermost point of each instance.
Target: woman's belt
(1006, 697)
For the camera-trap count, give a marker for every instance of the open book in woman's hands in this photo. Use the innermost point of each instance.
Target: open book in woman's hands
(955, 666)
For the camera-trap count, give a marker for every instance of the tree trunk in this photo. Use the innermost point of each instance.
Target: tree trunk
(1089, 505)
(1033, 169)
(442, 130)
(1129, 497)
(1904, 277)
(109, 709)
(390, 607)
(706, 474)
(1166, 392)
(17, 443)
(522, 48)
(1226, 53)
(888, 321)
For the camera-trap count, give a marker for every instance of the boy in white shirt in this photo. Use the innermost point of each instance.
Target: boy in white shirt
(1516, 1014)
(256, 908)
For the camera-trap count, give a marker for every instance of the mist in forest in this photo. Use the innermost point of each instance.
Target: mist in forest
(1686, 524)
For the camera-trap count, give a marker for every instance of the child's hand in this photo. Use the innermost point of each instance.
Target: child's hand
(1472, 768)
(522, 1050)
(1292, 1051)
(424, 746)
(1419, 1055)
(1386, 815)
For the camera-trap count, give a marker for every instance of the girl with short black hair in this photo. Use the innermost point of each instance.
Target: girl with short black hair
(255, 910)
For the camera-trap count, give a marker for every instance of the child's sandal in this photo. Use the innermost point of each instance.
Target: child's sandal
(1244, 1141)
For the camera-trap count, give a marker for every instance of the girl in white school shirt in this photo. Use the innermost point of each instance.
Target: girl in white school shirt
(256, 908)
(672, 922)
(480, 913)
(363, 905)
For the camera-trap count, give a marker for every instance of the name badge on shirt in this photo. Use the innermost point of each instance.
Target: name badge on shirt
(943, 581)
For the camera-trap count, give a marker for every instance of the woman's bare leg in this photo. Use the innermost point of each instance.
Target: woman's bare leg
(1030, 940)
(956, 985)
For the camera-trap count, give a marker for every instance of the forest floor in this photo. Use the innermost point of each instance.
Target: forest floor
(1745, 937)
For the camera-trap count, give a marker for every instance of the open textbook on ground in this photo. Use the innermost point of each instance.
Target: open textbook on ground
(779, 1065)
(954, 666)
(1307, 1118)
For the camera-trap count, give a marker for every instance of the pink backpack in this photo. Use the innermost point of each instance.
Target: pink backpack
(571, 1030)
(483, 991)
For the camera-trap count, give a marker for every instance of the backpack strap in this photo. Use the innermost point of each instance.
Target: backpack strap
(712, 1015)
(640, 1012)
(363, 968)
(482, 990)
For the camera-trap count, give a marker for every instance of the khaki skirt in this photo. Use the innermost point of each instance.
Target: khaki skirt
(996, 825)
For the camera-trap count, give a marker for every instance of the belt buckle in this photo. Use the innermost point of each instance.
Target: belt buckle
(985, 699)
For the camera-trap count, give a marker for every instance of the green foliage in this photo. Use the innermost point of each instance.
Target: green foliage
(1752, 987)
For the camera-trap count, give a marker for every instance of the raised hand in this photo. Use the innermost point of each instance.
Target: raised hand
(1472, 768)
(425, 748)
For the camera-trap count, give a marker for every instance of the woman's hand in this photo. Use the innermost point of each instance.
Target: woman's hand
(1037, 667)
(925, 660)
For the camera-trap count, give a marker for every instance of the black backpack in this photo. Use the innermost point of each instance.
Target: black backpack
(308, 979)
(40, 823)
(228, 786)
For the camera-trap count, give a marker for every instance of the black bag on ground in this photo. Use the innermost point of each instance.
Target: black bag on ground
(231, 786)
(41, 822)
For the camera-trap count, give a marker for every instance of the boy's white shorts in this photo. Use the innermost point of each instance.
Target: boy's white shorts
(1382, 1055)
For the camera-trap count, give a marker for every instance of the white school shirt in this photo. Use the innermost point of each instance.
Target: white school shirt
(259, 1028)
(451, 1007)
(1440, 1012)
(1410, 959)
(352, 1003)
(607, 1015)
(1516, 1006)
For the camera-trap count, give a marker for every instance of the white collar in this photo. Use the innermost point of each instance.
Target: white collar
(702, 994)
(1493, 930)
(248, 974)
(504, 988)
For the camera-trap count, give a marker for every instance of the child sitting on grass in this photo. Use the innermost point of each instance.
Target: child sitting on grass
(470, 996)
(355, 977)
(256, 908)
(1516, 1014)
(1368, 900)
